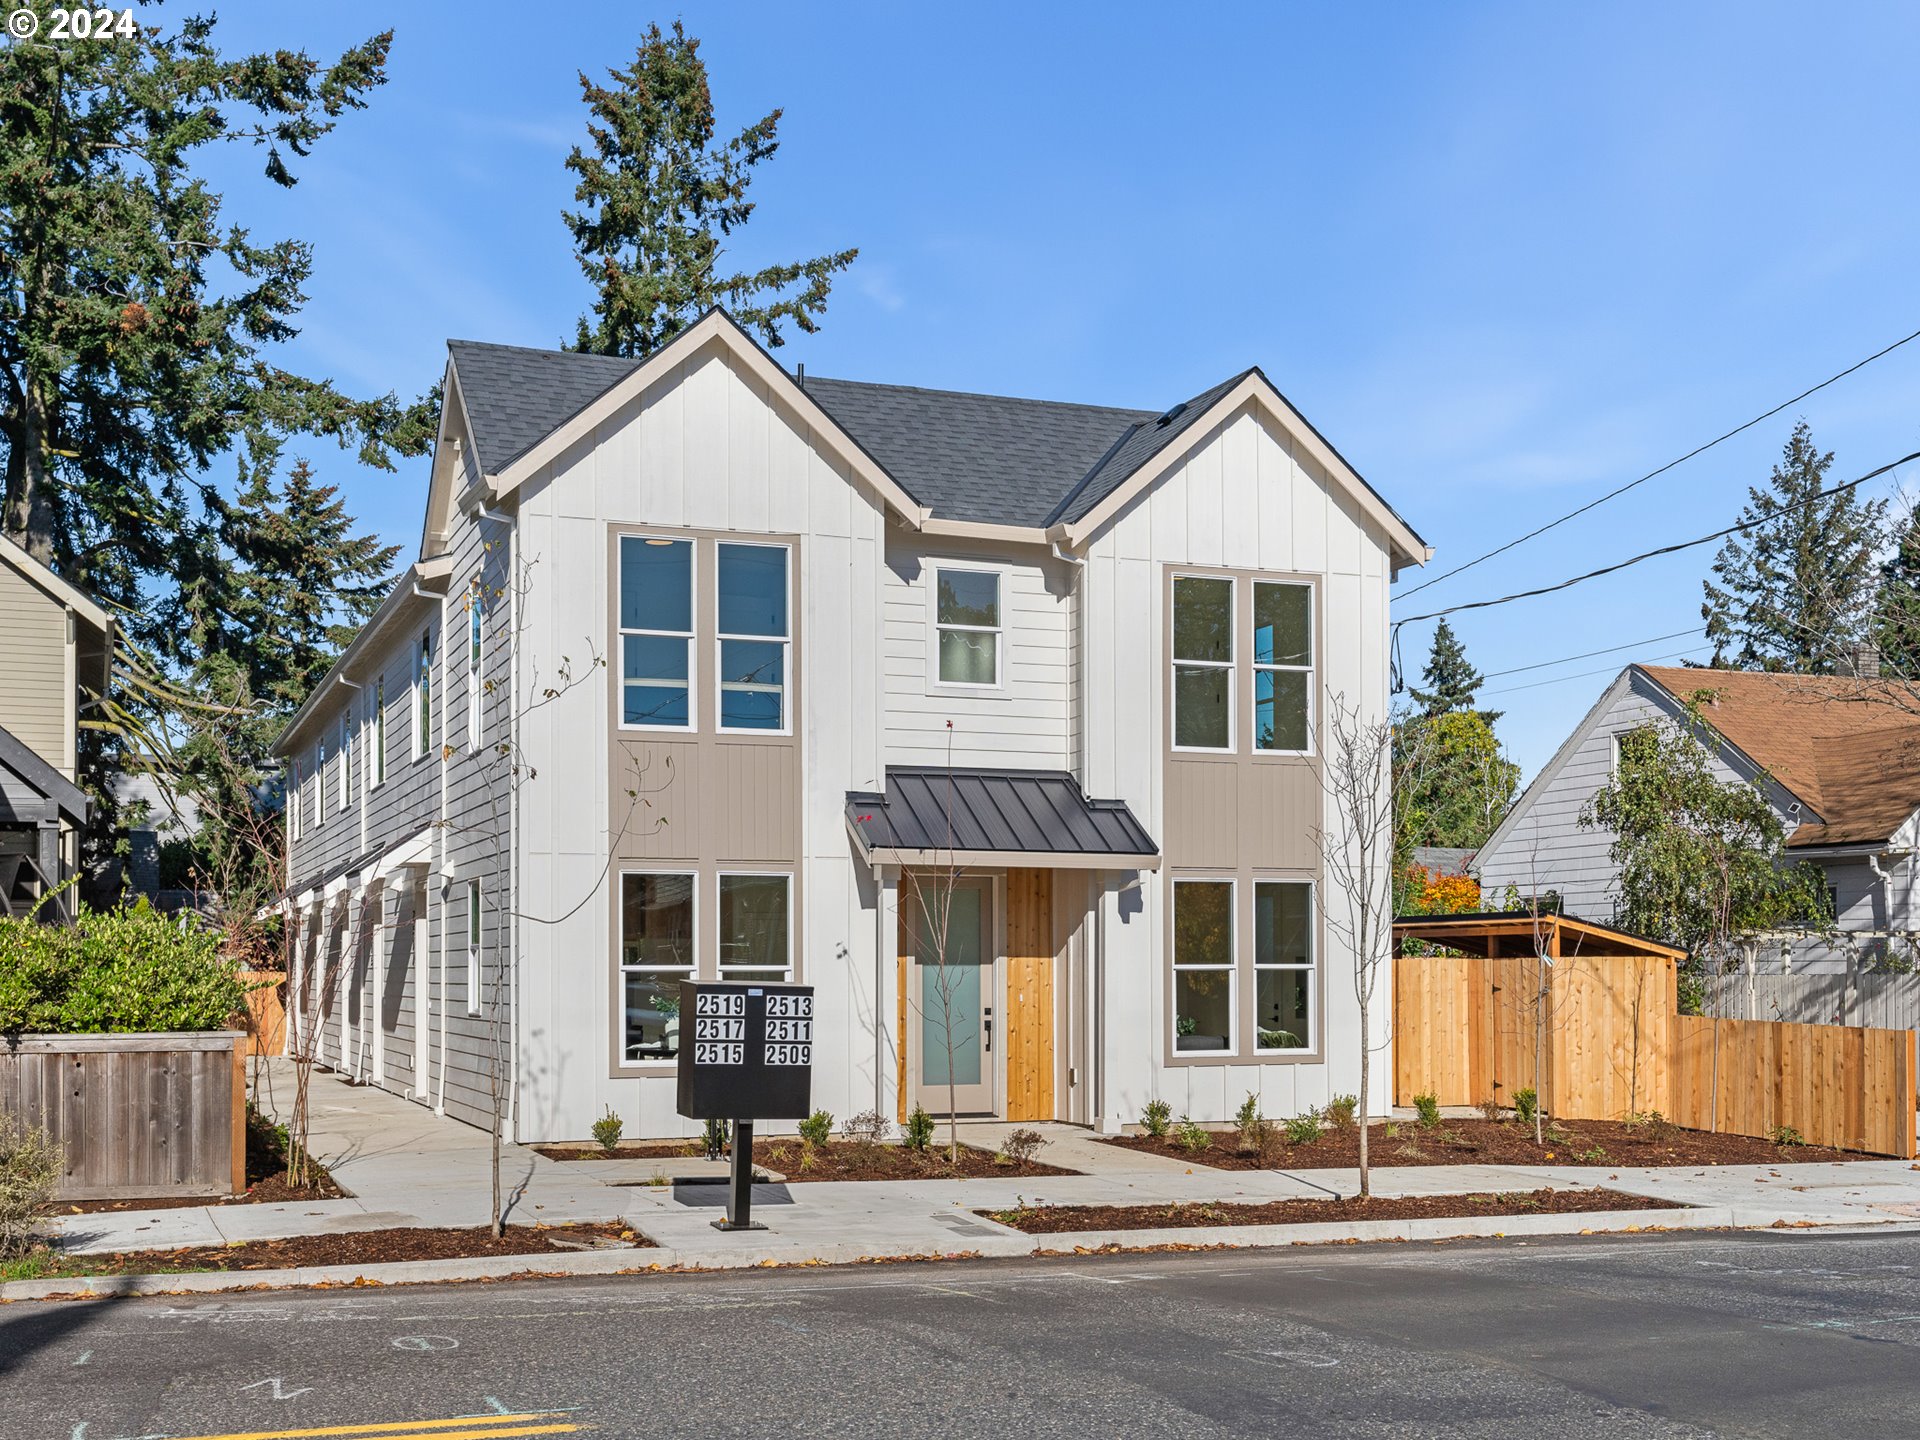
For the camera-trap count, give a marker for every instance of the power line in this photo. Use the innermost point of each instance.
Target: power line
(1584, 674)
(1589, 654)
(1611, 494)
(1674, 549)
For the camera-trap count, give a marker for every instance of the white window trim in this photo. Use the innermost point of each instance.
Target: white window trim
(722, 636)
(1310, 669)
(1311, 968)
(422, 703)
(1231, 969)
(476, 653)
(476, 919)
(720, 879)
(345, 759)
(1003, 580)
(691, 637)
(1231, 665)
(621, 969)
(377, 761)
(293, 800)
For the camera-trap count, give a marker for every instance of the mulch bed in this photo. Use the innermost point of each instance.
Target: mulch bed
(1057, 1219)
(266, 1182)
(1497, 1142)
(835, 1160)
(362, 1247)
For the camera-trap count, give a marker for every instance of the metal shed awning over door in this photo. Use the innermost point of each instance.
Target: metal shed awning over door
(935, 815)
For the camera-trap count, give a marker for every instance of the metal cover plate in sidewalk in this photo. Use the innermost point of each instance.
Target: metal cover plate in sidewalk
(700, 1190)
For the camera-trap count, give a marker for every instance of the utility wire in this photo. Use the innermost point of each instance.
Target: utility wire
(1611, 494)
(1584, 674)
(1589, 654)
(1674, 549)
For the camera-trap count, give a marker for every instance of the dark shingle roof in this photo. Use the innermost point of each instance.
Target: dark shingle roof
(1034, 812)
(988, 459)
(985, 458)
(517, 396)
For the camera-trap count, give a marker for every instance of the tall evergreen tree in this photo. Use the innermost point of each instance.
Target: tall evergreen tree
(1896, 610)
(1793, 594)
(657, 196)
(1452, 682)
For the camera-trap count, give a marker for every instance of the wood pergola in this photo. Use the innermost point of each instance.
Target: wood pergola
(1510, 934)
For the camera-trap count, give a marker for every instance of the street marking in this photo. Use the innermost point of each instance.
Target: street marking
(280, 1392)
(424, 1342)
(85, 1355)
(401, 1429)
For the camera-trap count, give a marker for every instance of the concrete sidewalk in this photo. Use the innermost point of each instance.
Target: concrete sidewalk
(408, 1167)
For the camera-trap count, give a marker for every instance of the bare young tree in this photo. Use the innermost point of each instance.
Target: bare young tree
(1357, 850)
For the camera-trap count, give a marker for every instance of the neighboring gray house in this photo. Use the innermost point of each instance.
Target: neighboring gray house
(56, 648)
(1841, 757)
(774, 655)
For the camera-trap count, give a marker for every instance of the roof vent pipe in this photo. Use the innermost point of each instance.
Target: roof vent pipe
(800, 374)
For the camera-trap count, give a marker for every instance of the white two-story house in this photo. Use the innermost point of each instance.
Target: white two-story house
(996, 721)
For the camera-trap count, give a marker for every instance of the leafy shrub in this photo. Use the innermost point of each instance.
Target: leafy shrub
(1022, 1145)
(1526, 1106)
(1191, 1135)
(919, 1132)
(29, 1169)
(869, 1127)
(1490, 1109)
(817, 1128)
(121, 971)
(1786, 1135)
(1304, 1129)
(607, 1130)
(1341, 1112)
(1255, 1130)
(1157, 1119)
(1426, 1109)
(1595, 1156)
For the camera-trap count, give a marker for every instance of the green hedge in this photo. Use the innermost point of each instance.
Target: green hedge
(115, 972)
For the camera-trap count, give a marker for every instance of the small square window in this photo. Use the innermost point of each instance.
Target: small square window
(968, 626)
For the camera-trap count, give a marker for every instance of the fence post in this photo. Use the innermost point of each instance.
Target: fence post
(239, 1083)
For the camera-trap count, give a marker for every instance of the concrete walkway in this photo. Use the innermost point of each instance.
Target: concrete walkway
(407, 1167)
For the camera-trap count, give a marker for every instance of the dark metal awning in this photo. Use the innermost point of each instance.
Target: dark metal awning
(935, 815)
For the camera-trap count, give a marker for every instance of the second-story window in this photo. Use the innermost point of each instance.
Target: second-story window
(1282, 666)
(320, 783)
(293, 800)
(379, 730)
(476, 615)
(754, 636)
(1202, 662)
(656, 632)
(423, 696)
(967, 625)
(345, 758)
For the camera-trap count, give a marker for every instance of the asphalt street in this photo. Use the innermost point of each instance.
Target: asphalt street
(1747, 1335)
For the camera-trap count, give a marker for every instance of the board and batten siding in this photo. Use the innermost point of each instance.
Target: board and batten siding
(1245, 498)
(709, 449)
(37, 703)
(1024, 722)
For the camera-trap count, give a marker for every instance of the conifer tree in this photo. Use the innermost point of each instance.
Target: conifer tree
(1793, 594)
(1451, 680)
(1896, 611)
(658, 196)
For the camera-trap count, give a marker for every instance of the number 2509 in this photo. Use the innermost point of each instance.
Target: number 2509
(90, 24)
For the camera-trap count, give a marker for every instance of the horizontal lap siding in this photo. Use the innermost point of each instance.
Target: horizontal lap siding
(35, 703)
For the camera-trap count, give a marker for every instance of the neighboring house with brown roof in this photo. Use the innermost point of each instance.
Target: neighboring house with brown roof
(55, 651)
(1840, 758)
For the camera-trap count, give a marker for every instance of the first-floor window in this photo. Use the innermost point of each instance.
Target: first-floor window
(756, 933)
(656, 954)
(473, 947)
(1203, 978)
(1283, 988)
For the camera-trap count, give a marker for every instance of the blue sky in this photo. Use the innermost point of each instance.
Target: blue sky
(1505, 256)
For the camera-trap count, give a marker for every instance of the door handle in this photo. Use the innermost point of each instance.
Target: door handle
(989, 1019)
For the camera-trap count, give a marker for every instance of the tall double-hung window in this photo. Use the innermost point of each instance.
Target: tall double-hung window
(656, 954)
(1213, 667)
(345, 758)
(656, 632)
(1282, 666)
(379, 756)
(423, 695)
(1203, 662)
(754, 636)
(476, 624)
(1222, 964)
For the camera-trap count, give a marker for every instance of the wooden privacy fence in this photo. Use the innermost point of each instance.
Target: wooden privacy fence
(1888, 1002)
(266, 1005)
(137, 1116)
(1464, 1031)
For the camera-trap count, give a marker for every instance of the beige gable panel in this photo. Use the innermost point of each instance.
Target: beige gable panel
(36, 698)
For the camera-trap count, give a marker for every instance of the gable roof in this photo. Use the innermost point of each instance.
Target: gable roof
(1848, 748)
(969, 459)
(83, 605)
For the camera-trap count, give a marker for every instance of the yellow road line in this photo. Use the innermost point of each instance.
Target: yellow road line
(427, 1429)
